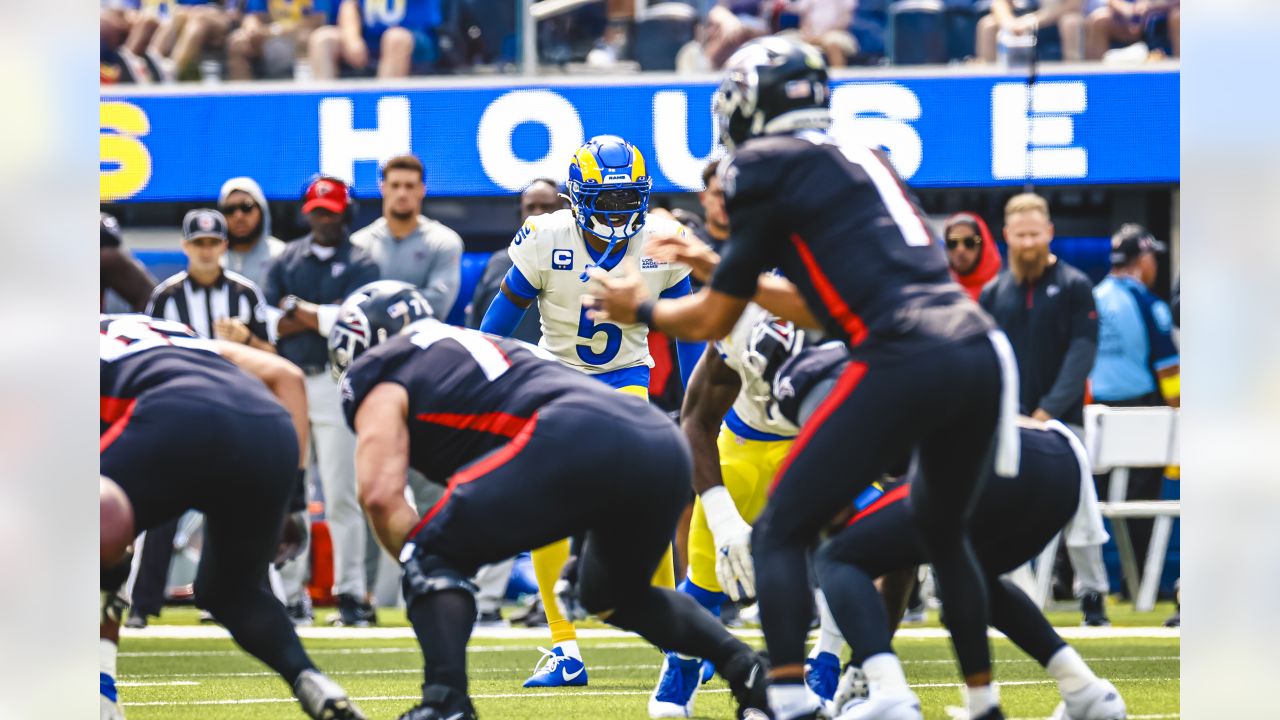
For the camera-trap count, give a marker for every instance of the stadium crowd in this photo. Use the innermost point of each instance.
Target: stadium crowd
(165, 41)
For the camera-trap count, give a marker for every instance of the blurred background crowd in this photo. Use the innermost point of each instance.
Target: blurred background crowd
(168, 41)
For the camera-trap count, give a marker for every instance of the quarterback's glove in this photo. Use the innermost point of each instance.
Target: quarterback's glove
(293, 537)
(734, 568)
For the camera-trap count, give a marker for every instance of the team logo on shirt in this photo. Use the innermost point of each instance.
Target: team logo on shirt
(337, 268)
(561, 259)
(1052, 290)
(648, 263)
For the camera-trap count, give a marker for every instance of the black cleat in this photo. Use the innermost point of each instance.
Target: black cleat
(353, 613)
(441, 703)
(992, 714)
(748, 676)
(1093, 605)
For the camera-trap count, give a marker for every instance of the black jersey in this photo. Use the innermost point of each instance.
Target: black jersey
(140, 355)
(469, 392)
(840, 224)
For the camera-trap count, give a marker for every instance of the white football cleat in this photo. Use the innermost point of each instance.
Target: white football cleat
(852, 686)
(881, 705)
(1096, 701)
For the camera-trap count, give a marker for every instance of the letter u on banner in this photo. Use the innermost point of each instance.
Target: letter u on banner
(671, 139)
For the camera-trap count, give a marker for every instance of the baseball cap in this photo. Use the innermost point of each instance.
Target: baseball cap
(1130, 241)
(327, 193)
(204, 223)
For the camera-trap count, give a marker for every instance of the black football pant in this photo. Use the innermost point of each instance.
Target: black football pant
(943, 403)
(237, 466)
(1014, 519)
(620, 475)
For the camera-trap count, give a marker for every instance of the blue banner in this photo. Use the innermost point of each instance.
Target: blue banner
(947, 131)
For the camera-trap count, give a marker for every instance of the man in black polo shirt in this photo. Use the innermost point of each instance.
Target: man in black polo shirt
(308, 281)
(1046, 308)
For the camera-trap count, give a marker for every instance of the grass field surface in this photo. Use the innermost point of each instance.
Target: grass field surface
(170, 678)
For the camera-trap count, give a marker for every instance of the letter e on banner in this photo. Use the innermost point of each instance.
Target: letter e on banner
(1036, 142)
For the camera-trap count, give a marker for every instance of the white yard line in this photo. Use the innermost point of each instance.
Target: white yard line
(564, 695)
(213, 632)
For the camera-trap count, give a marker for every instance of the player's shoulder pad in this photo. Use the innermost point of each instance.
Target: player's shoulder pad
(755, 169)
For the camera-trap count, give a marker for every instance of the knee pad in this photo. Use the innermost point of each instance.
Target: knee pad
(423, 576)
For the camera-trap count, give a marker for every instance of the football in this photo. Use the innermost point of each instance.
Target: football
(115, 517)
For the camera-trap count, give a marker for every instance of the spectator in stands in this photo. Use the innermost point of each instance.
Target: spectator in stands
(183, 34)
(1045, 307)
(307, 282)
(1024, 16)
(213, 303)
(369, 32)
(118, 271)
(723, 33)
(540, 197)
(1126, 22)
(251, 246)
(271, 35)
(825, 25)
(971, 254)
(1138, 363)
(407, 245)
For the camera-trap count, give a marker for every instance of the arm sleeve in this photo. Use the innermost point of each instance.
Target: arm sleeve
(488, 287)
(441, 289)
(1068, 388)
(753, 223)
(687, 353)
(503, 315)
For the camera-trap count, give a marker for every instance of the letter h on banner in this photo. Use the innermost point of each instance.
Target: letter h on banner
(342, 145)
(1036, 142)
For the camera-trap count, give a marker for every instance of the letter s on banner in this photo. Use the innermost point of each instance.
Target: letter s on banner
(121, 124)
(509, 110)
(879, 115)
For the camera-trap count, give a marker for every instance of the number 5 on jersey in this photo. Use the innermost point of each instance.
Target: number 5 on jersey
(588, 330)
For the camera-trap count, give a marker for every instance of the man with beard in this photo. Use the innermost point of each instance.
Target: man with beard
(307, 282)
(407, 245)
(250, 244)
(1046, 308)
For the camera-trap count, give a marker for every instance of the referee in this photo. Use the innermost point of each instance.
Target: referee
(212, 301)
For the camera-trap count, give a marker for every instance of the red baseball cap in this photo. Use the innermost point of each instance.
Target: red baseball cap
(326, 193)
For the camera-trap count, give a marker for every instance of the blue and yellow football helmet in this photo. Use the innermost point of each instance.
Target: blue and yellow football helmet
(609, 188)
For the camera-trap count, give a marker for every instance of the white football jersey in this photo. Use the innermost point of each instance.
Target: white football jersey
(752, 403)
(552, 255)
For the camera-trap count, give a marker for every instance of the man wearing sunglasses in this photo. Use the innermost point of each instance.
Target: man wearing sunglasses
(971, 255)
(250, 245)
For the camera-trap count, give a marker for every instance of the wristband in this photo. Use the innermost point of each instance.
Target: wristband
(644, 312)
(722, 515)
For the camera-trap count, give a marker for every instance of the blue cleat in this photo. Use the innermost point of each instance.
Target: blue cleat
(556, 669)
(822, 675)
(673, 698)
(708, 671)
(108, 698)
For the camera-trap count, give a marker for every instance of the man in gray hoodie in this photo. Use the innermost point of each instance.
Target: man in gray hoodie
(250, 245)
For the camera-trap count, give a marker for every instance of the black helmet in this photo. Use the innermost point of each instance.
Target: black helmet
(370, 315)
(772, 85)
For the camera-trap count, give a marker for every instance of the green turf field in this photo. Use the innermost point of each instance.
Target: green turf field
(211, 678)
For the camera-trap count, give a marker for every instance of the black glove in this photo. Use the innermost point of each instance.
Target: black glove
(293, 537)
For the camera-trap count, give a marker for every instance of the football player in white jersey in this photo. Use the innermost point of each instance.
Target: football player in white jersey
(606, 227)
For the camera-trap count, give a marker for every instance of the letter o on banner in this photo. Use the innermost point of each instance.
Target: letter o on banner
(500, 119)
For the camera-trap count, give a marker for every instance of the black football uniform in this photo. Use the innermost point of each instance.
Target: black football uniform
(839, 223)
(525, 445)
(531, 452)
(182, 428)
(1013, 520)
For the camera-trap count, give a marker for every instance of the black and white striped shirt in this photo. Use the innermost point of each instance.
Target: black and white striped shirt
(231, 296)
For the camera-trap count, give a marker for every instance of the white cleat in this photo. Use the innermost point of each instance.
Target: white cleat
(882, 705)
(111, 709)
(852, 687)
(1096, 701)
